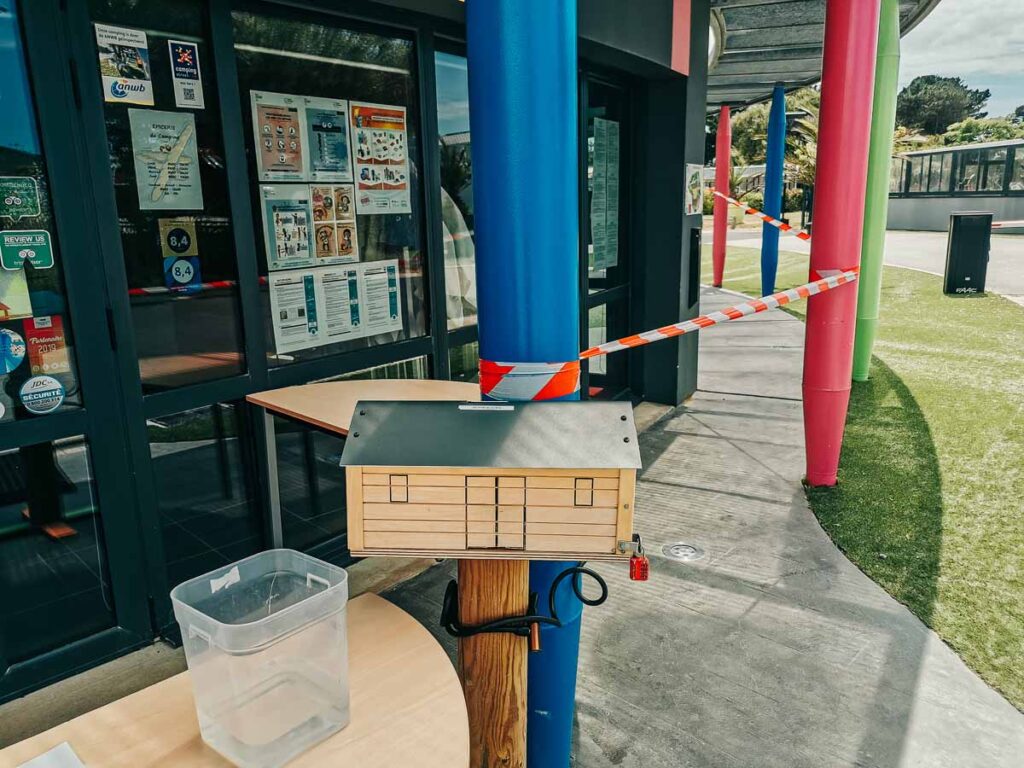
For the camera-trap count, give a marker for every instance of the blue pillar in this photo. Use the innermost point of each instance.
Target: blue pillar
(523, 116)
(773, 186)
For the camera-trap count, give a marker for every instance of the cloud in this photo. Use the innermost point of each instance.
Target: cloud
(971, 39)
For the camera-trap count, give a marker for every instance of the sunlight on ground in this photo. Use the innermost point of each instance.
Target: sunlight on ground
(930, 501)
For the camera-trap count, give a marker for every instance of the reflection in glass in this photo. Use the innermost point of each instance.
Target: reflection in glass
(209, 515)
(608, 373)
(281, 55)
(995, 169)
(53, 563)
(456, 189)
(465, 362)
(35, 329)
(180, 262)
(1017, 177)
(968, 174)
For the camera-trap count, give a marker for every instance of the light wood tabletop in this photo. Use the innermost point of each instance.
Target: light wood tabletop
(329, 405)
(406, 703)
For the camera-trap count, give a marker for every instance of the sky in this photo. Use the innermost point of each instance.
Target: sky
(980, 41)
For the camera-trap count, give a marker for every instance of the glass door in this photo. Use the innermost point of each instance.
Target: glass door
(69, 580)
(605, 258)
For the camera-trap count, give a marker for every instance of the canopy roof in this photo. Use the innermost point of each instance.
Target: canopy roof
(774, 41)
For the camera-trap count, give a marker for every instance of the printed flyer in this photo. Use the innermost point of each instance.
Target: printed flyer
(604, 200)
(694, 189)
(166, 160)
(188, 84)
(381, 158)
(334, 221)
(287, 225)
(278, 133)
(327, 305)
(14, 299)
(47, 349)
(124, 65)
(327, 139)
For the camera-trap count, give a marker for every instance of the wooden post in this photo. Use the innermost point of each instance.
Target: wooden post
(493, 666)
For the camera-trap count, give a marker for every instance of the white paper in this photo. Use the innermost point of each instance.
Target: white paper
(328, 157)
(61, 756)
(328, 305)
(604, 200)
(188, 84)
(166, 160)
(124, 65)
(380, 154)
(287, 212)
(279, 132)
(694, 189)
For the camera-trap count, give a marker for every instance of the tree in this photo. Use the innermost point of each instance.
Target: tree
(1018, 114)
(973, 130)
(932, 103)
(750, 133)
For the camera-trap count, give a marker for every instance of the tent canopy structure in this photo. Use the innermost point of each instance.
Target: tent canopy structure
(758, 43)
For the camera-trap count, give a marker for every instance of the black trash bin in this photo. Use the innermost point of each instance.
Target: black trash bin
(970, 235)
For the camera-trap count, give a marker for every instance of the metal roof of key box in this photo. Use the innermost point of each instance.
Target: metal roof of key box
(546, 480)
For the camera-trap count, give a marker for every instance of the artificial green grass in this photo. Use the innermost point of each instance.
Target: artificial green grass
(930, 500)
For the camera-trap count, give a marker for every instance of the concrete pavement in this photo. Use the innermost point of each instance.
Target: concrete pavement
(923, 251)
(773, 650)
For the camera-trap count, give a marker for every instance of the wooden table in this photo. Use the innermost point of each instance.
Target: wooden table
(406, 702)
(328, 406)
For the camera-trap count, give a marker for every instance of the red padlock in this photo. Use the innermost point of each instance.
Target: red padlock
(639, 565)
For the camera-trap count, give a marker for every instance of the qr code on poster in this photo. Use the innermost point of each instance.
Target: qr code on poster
(188, 94)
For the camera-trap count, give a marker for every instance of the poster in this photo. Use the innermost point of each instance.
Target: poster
(47, 349)
(25, 245)
(327, 305)
(334, 221)
(124, 65)
(327, 142)
(287, 225)
(694, 189)
(19, 197)
(12, 350)
(381, 158)
(604, 200)
(277, 128)
(166, 160)
(178, 237)
(188, 84)
(14, 299)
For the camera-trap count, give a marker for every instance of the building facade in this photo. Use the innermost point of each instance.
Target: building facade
(207, 198)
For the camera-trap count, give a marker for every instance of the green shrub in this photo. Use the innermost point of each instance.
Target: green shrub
(709, 203)
(754, 200)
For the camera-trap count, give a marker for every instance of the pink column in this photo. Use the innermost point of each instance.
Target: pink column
(723, 162)
(844, 126)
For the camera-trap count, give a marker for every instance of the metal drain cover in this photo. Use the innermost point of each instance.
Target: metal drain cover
(682, 552)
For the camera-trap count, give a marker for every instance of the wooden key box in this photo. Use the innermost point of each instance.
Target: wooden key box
(540, 481)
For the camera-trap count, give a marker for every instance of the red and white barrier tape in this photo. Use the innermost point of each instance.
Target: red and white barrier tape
(158, 290)
(544, 381)
(780, 225)
(1008, 224)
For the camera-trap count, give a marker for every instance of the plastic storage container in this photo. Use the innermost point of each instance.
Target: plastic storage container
(266, 644)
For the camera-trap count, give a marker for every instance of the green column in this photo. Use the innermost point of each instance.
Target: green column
(876, 211)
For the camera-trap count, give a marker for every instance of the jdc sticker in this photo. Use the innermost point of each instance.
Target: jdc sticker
(42, 394)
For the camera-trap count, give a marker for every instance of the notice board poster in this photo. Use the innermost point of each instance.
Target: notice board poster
(604, 200)
(278, 134)
(380, 150)
(326, 124)
(47, 348)
(334, 224)
(124, 65)
(694, 189)
(287, 225)
(166, 159)
(327, 305)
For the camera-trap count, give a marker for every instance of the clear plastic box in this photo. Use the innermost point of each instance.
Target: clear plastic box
(266, 644)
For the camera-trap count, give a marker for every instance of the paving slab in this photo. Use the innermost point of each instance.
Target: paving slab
(772, 650)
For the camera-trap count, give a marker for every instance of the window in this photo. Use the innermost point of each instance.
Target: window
(464, 361)
(332, 134)
(968, 172)
(37, 358)
(53, 561)
(167, 161)
(456, 189)
(917, 175)
(938, 177)
(897, 175)
(1017, 176)
(995, 169)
